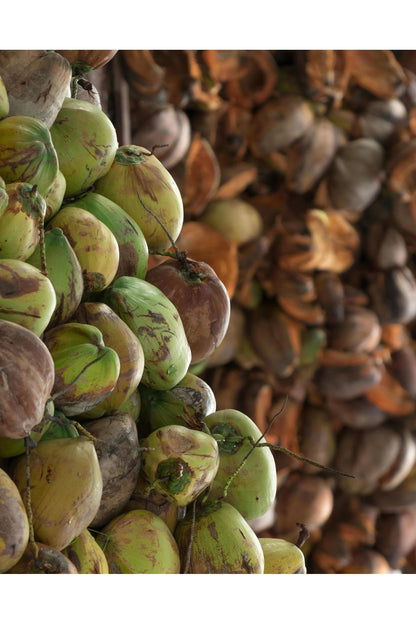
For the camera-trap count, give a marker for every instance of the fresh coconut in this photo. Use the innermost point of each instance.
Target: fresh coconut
(218, 541)
(179, 462)
(139, 183)
(65, 485)
(252, 489)
(139, 542)
(86, 143)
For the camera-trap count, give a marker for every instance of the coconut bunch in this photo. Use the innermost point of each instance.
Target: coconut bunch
(113, 455)
(298, 187)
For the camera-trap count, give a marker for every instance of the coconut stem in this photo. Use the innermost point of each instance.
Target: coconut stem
(255, 445)
(179, 255)
(28, 498)
(44, 268)
(191, 539)
(286, 451)
(303, 535)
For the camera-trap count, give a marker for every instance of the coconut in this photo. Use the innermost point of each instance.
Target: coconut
(117, 447)
(86, 143)
(253, 489)
(66, 487)
(14, 524)
(86, 555)
(40, 558)
(23, 357)
(179, 462)
(200, 298)
(139, 542)
(138, 182)
(218, 541)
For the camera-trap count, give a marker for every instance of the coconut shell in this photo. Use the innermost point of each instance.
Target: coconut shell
(27, 377)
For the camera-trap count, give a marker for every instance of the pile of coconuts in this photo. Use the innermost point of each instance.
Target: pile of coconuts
(113, 456)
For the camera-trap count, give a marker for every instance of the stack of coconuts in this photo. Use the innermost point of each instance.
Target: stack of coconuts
(113, 457)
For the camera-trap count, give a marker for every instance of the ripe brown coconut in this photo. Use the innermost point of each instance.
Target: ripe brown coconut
(200, 298)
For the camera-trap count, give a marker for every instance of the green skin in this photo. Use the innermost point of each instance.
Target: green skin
(72, 334)
(139, 542)
(222, 542)
(66, 488)
(101, 368)
(179, 462)
(86, 555)
(135, 171)
(4, 100)
(93, 243)
(253, 488)
(4, 197)
(282, 557)
(20, 222)
(134, 253)
(157, 324)
(186, 404)
(86, 143)
(27, 153)
(27, 297)
(64, 271)
(55, 196)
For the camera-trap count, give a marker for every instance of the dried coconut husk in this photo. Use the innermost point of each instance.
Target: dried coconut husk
(379, 458)
(92, 59)
(396, 536)
(381, 119)
(197, 176)
(378, 71)
(346, 375)
(310, 157)
(402, 366)
(279, 123)
(205, 244)
(166, 127)
(356, 176)
(37, 82)
(27, 373)
(325, 75)
(306, 499)
(401, 169)
(256, 85)
(235, 179)
(389, 396)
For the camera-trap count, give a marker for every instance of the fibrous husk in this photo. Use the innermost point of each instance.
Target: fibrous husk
(27, 376)
(37, 82)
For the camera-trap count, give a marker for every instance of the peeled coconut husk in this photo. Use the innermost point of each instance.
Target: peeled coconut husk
(27, 377)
